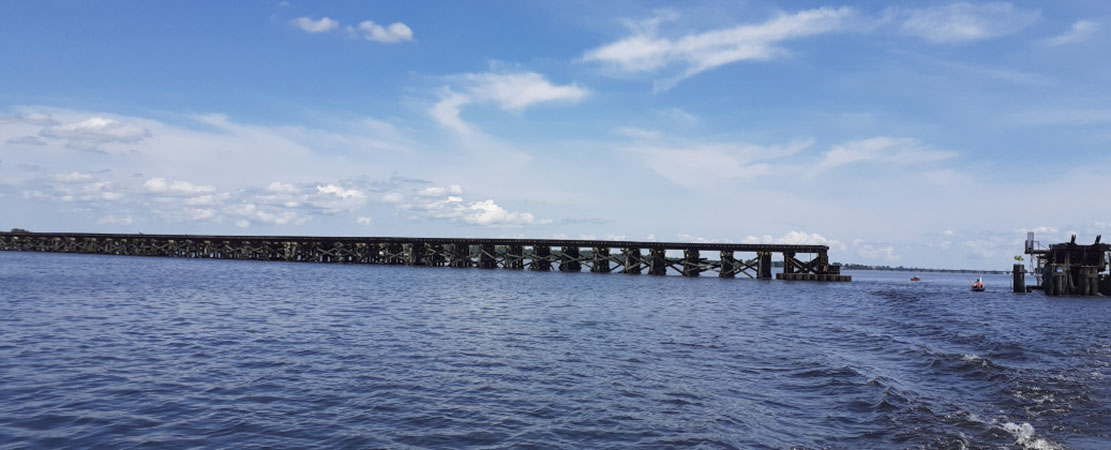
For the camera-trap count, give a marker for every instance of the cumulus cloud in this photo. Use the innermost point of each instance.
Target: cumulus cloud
(646, 51)
(391, 34)
(364, 220)
(394, 33)
(509, 91)
(964, 22)
(334, 198)
(486, 212)
(250, 212)
(795, 238)
(1079, 32)
(322, 25)
(162, 186)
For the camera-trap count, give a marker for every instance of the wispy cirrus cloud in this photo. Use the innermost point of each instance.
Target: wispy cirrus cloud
(707, 165)
(882, 149)
(1080, 31)
(963, 22)
(95, 131)
(509, 91)
(645, 51)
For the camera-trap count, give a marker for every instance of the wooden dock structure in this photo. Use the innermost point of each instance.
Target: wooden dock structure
(1067, 268)
(800, 262)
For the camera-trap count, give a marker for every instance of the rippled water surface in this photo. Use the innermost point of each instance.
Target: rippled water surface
(109, 351)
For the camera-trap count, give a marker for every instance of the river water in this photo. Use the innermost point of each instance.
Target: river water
(111, 351)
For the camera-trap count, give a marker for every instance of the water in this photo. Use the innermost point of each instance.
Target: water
(109, 351)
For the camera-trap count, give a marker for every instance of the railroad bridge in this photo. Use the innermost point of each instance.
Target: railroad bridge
(630, 257)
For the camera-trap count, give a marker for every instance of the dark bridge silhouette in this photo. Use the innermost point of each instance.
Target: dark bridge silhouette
(631, 257)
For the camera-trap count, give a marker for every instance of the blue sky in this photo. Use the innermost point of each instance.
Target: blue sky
(913, 133)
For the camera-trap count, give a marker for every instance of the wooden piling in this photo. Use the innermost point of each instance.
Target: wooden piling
(657, 262)
(541, 261)
(460, 256)
(487, 256)
(728, 267)
(692, 263)
(764, 266)
(601, 263)
(514, 257)
(1018, 271)
(569, 259)
(632, 261)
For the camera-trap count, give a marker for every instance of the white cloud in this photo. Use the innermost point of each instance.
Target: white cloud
(446, 112)
(393, 197)
(644, 51)
(282, 188)
(251, 212)
(96, 130)
(392, 34)
(334, 198)
(871, 252)
(364, 220)
(202, 214)
(795, 238)
(517, 91)
(888, 150)
(1079, 32)
(113, 220)
(638, 133)
(447, 203)
(964, 22)
(703, 166)
(72, 177)
(161, 185)
(510, 91)
(439, 191)
(315, 26)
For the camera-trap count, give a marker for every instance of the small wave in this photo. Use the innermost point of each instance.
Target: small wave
(1025, 437)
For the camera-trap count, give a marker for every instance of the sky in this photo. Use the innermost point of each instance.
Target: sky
(928, 134)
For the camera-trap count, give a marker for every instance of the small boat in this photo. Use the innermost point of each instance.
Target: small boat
(978, 286)
(915, 278)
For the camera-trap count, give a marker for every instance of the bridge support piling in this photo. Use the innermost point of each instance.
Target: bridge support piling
(632, 261)
(692, 263)
(657, 262)
(515, 257)
(601, 263)
(569, 260)
(487, 256)
(728, 265)
(460, 255)
(764, 266)
(541, 258)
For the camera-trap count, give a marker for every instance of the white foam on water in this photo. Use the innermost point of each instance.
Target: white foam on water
(970, 358)
(1025, 437)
